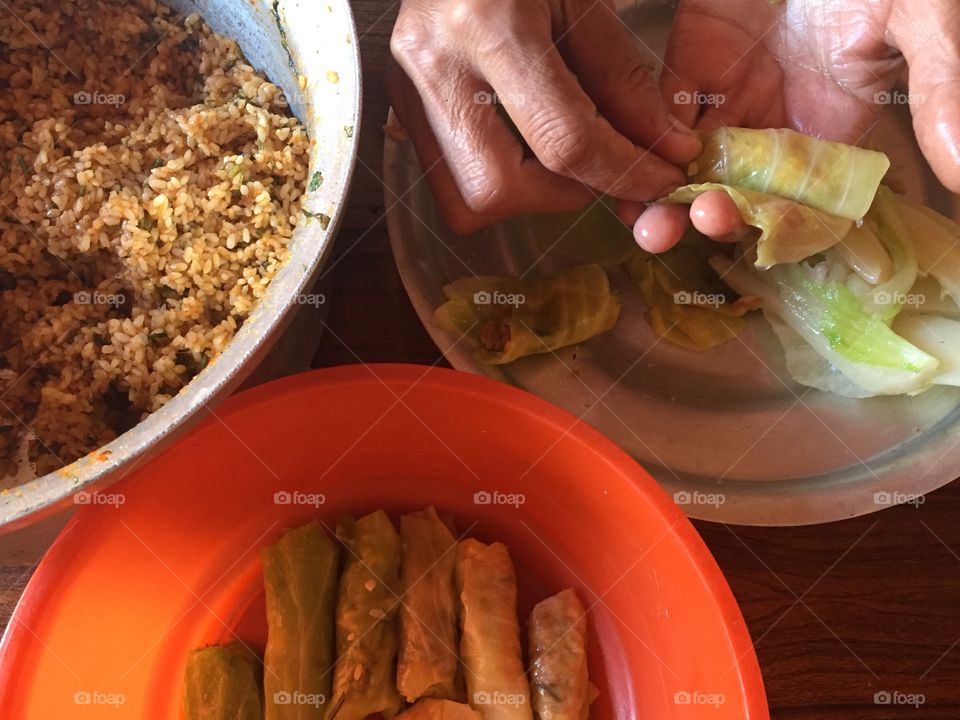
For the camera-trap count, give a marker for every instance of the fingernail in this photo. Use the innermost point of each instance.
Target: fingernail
(679, 126)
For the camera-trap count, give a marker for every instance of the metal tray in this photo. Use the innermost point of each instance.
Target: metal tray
(727, 432)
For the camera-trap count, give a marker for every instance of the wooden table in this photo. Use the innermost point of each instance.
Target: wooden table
(838, 612)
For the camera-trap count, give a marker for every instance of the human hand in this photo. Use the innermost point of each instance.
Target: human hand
(817, 66)
(569, 77)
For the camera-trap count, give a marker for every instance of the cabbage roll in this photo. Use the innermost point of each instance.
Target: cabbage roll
(490, 633)
(686, 302)
(831, 177)
(222, 682)
(364, 678)
(558, 659)
(507, 318)
(300, 580)
(434, 709)
(789, 231)
(428, 659)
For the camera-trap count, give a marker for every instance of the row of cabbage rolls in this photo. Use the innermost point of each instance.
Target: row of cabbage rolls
(374, 620)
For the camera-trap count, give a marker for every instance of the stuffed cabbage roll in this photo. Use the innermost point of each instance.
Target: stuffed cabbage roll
(789, 231)
(428, 660)
(435, 709)
(364, 679)
(300, 580)
(222, 682)
(558, 659)
(507, 318)
(687, 303)
(831, 177)
(497, 685)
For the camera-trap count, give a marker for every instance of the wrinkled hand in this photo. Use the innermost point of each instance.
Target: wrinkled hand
(822, 67)
(570, 79)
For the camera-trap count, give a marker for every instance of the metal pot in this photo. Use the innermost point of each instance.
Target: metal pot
(282, 39)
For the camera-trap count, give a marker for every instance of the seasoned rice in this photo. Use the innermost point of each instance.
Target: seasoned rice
(149, 187)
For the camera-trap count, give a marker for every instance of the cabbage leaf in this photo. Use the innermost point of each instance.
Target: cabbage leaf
(686, 304)
(831, 177)
(834, 322)
(506, 318)
(789, 231)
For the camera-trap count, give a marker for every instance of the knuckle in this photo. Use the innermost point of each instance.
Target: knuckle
(625, 78)
(486, 193)
(420, 61)
(637, 75)
(413, 46)
(468, 15)
(566, 146)
(404, 41)
(496, 29)
(463, 14)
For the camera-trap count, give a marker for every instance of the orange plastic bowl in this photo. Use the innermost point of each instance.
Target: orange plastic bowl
(167, 560)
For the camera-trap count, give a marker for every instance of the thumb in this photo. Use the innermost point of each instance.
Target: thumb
(925, 34)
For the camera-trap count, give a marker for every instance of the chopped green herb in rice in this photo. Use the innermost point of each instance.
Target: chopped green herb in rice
(101, 300)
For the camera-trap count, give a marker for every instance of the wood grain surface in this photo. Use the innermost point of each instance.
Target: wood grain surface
(838, 612)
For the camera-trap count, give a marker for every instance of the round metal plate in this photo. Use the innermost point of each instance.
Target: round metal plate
(727, 431)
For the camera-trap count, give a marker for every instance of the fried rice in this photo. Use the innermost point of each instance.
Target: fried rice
(150, 182)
